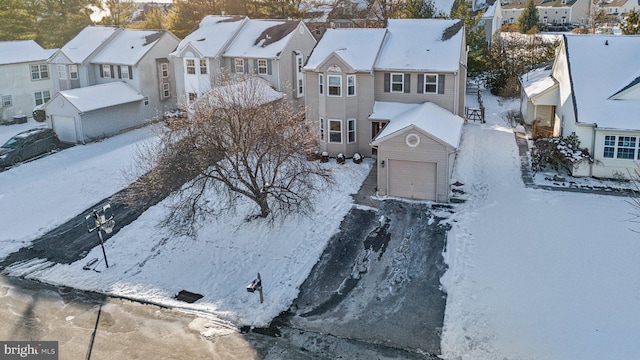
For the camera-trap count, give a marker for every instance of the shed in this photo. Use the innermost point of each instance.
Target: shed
(93, 112)
(416, 150)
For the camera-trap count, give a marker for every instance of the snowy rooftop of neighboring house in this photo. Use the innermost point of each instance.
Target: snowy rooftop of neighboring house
(491, 10)
(262, 39)
(357, 47)
(211, 35)
(101, 96)
(419, 44)
(21, 51)
(428, 117)
(602, 66)
(128, 47)
(537, 81)
(86, 42)
(253, 91)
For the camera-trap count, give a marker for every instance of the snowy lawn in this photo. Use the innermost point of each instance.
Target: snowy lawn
(535, 274)
(149, 264)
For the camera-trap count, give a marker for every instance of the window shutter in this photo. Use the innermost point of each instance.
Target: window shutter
(255, 66)
(233, 65)
(269, 67)
(420, 83)
(440, 83)
(407, 83)
(387, 82)
(130, 73)
(113, 75)
(246, 66)
(119, 72)
(101, 71)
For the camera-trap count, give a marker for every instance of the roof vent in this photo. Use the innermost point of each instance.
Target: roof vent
(606, 42)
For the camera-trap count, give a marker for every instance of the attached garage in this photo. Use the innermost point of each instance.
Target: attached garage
(65, 127)
(413, 179)
(416, 152)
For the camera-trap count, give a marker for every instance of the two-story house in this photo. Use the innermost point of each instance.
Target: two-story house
(549, 11)
(395, 94)
(110, 79)
(274, 50)
(26, 78)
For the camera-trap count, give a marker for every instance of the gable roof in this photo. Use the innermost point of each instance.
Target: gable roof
(357, 47)
(262, 39)
(128, 47)
(211, 35)
(428, 117)
(422, 44)
(21, 51)
(601, 66)
(87, 41)
(101, 96)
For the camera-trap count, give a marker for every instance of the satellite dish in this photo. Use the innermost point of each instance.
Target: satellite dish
(108, 226)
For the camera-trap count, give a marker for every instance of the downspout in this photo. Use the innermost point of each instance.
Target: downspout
(449, 161)
(593, 147)
(81, 128)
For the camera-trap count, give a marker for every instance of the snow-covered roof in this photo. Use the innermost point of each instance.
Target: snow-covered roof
(428, 117)
(128, 47)
(383, 110)
(357, 47)
(100, 96)
(262, 39)
(86, 42)
(537, 81)
(212, 34)
(21, 51)
(601, 66)
(253, 91)
(422, 44)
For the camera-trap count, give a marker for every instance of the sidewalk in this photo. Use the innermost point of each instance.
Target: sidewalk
(368, 189)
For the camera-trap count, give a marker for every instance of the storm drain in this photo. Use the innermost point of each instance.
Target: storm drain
(188, 296)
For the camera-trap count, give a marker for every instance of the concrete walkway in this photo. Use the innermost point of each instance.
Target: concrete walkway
(369, 189)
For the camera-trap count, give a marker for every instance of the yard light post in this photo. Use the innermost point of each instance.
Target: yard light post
(101, 219)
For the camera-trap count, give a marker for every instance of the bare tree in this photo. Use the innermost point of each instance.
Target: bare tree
(242, 140)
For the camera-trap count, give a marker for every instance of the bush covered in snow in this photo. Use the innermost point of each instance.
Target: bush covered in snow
(340, 158)
(562, 153)
(357, 158)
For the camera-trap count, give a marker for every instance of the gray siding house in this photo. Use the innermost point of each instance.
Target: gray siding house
(360, 81)
(136, 61)
(274, 50)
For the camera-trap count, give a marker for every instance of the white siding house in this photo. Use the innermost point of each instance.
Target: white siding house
(25, 78)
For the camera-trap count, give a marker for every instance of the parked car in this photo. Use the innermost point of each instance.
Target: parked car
(28, 144)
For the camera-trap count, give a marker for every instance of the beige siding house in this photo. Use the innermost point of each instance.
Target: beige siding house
(363, 82)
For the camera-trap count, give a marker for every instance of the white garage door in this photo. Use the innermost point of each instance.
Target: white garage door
(65, 127)
(412, 179)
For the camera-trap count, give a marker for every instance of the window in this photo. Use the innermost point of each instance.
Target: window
(62, 72)
(335, 85)
(351, 131)
(351, 85)
(262, 66)
(397, 82)
(335, 131)
(145, 100)
(321, 129)
(166, 90)
(624, 147)
(164, 69)
(42, 97)
(73, 72)
(124, 72)
(191, 66)
(430, 83)
(6, 101)
(203, 66)
(239, 65)
(39, 72)
(321, 83)
(193, 96)
(106, 71)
